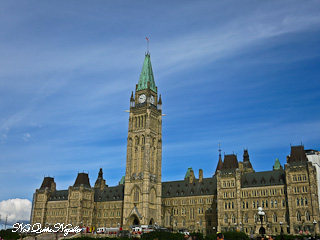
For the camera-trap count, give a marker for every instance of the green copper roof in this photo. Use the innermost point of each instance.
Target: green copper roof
(146, 75)
(277, 165)
(188, 173)
(122, 180)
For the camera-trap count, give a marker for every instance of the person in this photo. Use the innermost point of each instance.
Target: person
(220, 236)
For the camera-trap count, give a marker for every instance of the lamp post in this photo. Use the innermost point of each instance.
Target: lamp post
(261, 214)
(240, 228)
(314, 226)
(81, 228)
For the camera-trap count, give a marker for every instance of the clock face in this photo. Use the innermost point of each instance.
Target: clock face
(152, 99)
(142, 98)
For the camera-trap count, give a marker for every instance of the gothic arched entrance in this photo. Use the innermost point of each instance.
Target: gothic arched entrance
(151, 221)
(134, 220)
(262, 231)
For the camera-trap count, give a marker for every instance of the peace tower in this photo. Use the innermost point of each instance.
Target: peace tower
(142, 192)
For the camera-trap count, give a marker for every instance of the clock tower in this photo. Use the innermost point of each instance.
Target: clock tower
(142, 191)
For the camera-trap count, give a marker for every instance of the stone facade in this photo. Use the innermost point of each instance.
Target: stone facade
(228, 200)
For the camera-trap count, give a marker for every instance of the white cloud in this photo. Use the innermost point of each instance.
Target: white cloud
(26, 137)
(16, 210)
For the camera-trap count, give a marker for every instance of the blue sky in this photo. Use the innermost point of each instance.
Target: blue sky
(242, 73)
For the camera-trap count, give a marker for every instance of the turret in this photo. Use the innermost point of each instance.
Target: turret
(160, 103)
(100, 183)
(132, 100)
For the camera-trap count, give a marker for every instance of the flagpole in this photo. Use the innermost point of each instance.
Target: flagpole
(147, 45)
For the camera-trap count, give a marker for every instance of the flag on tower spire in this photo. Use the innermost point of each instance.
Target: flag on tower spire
(147, 44)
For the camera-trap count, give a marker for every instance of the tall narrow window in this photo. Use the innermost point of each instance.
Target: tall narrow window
(226, 218)
(233, 219)
(298, 217)
(136, 195)
(307, 216)
(275, 218)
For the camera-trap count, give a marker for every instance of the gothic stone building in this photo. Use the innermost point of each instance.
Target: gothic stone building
(228, 200)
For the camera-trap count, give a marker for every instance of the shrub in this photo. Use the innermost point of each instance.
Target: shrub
(162, 236)
(8, 234)
(229, 235)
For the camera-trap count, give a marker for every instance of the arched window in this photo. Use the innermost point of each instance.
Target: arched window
(153, 196)
(245, 218)
(255, 218)
(136, 140)
(225, 205)
(275, 203)
(301, 201)
(263, 204)
(306, 201)
(253, 204)
(143, 139)
(136, 195)
(233, 219)
(297, 201)
(307, 216)
(183, 222)
(275, 218)
(272, 203)
(298, 217)
(226, 218)
(266, 203)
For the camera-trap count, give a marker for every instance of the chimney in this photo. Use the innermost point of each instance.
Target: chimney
(191, 179)
(200, 175)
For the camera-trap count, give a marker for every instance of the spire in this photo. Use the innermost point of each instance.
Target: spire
(100, 183)
(219, 166)
(160, 103)
(100, 173)
(132, 100)
(146, 76)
